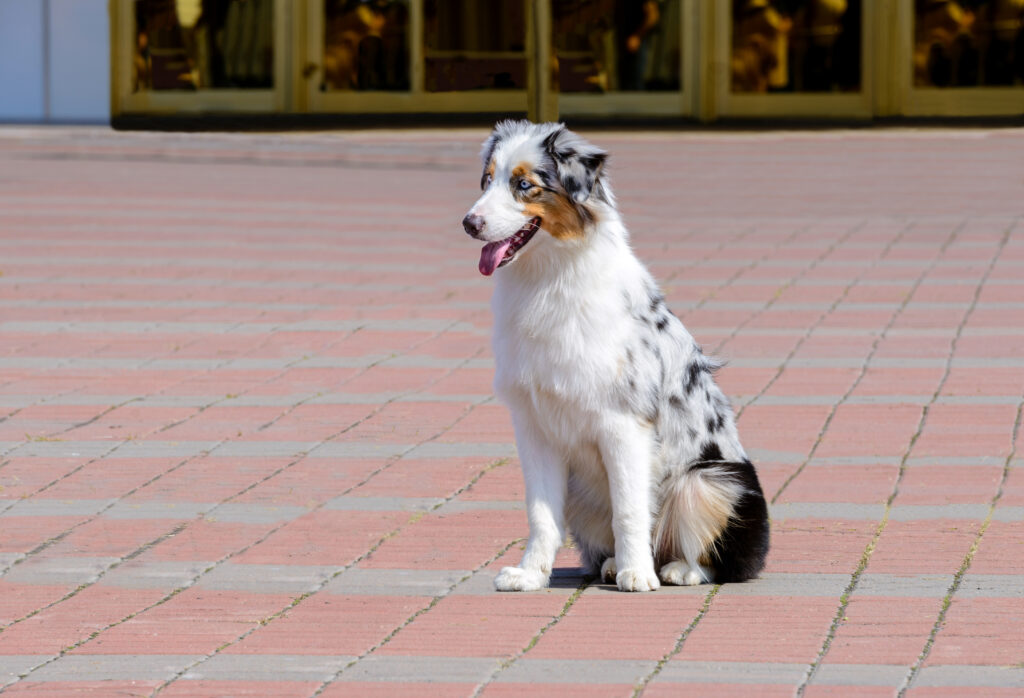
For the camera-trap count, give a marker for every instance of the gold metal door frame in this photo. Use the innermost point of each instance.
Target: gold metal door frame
(416, 99)
(718, 100)
(224, 100)
(680, 103)
(942, 101)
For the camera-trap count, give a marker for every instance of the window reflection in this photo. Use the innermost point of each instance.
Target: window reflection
(967, 44)
(796, 45)
(199, 44)
(617, 45)
(470, 45)
(366, 45)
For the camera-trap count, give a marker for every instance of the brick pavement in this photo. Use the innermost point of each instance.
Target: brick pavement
(248, 446)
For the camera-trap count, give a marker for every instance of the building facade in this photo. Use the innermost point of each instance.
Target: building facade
(701, 59)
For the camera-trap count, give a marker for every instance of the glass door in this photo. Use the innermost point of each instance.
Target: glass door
(200, 55)
(377, 56)
(623, 57)
(962, 58)
(795, 58)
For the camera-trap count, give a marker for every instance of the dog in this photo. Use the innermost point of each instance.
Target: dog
(624, 438)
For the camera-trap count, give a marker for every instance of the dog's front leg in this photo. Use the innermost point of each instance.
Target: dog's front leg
(626, 449)
(546, 479)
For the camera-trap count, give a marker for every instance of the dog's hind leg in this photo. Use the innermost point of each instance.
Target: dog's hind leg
(713, 524)
(546, 478)
(609, 570)
(681, 573)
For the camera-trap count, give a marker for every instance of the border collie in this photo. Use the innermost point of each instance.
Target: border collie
(625, 440)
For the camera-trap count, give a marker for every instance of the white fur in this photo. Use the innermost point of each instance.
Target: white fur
(565, 343)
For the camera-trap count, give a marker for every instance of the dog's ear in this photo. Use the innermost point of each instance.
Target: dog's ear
(487, 150)
(579, 163)
(486, 153)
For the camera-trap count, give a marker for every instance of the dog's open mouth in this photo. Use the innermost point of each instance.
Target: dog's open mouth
(498, 254)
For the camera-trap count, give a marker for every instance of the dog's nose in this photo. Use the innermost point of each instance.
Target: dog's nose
(473, 224)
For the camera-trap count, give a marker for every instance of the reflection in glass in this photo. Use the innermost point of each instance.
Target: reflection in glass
(472, 45)
(968, 43)
(366, 45)
(199, 44)
(796, 45)
(617, 45)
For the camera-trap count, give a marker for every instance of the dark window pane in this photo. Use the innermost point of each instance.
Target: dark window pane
(470, 45)
(617, 45)
(199, 44)
(968, 44)
(366, 45)
(796, 46)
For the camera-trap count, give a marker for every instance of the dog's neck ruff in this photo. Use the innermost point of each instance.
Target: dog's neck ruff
(498, 254)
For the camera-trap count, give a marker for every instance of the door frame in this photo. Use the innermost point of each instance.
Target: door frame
(723, 102)
(416, 99)
(944, 101)
(681, 103)
(224, 100)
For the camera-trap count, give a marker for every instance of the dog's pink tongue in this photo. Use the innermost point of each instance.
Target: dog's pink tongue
(492, 254)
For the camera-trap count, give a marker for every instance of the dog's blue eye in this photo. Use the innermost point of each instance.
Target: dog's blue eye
(525, 184)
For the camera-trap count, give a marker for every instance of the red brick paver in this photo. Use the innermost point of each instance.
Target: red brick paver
(248, 444)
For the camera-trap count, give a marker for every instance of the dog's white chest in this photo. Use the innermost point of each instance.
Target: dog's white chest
(564, 350)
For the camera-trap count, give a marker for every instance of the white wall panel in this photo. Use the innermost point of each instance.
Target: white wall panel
(79, 60)
(22, 75)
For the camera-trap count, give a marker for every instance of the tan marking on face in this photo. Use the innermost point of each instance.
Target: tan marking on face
(559, 217)
(521, 170)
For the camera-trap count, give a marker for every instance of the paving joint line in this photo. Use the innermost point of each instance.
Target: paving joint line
(136, 398)
(49, 542)
(817, 323)
(284, 371)
(99, 575)
(190, 583)
(641, 686)
(56, 481)
(789, 283)
(115, 447)
(364, 370)
(180, 527)
(710, 295)
(414, 518)
(867, 361)
(509, 661)
(433, 602)
(674, 275)
(844, 600)
(227, 330)
(682, 240)
(703, 301)
(958, 578)
(173, 531)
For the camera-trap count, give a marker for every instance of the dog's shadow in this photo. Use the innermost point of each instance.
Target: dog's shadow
(570, 578)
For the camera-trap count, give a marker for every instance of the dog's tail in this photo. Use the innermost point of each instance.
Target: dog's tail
(713, 514)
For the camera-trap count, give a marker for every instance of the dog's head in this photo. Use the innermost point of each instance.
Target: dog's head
(536, 177)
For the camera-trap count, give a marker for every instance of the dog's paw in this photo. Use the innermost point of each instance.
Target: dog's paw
(681, 574)
(637, 580)
(518, 579)
(608, 570)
